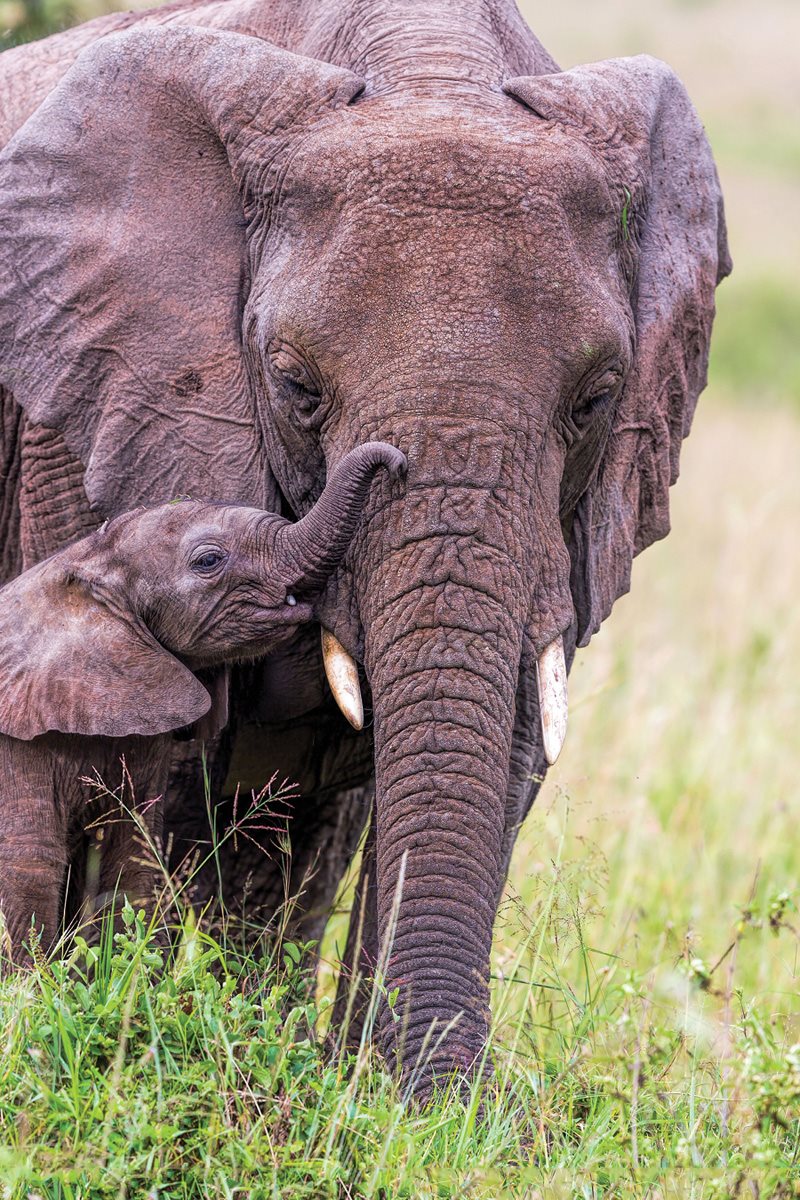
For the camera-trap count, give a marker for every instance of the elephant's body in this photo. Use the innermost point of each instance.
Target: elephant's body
(421, 232)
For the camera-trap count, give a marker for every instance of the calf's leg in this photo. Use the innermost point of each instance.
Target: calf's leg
(33, 852)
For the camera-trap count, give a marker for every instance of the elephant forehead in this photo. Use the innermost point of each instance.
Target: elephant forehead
(453, 163)
(480, 218)
(456, 240)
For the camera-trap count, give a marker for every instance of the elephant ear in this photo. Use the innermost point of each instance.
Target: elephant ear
(124, 207)
(70, 663)
(636, 115)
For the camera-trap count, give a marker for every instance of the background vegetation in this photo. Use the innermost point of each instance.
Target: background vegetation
(647, 1036)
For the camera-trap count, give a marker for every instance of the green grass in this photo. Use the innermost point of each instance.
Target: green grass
(207, 1078)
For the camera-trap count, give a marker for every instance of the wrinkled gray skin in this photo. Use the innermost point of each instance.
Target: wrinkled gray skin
(122, 637)
(224, 266)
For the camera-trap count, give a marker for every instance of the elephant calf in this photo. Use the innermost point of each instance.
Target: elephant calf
(114, 642)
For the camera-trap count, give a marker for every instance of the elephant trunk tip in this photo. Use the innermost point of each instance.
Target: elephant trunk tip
(383, 453)
(313, 547)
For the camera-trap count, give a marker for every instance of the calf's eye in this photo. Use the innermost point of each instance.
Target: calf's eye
(207, 561)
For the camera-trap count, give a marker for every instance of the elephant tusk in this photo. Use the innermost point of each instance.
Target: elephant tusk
(551, 678)
(342, 674)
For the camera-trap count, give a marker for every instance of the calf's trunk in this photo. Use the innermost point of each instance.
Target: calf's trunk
(313, 547)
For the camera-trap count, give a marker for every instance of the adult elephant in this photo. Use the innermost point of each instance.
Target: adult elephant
(225, 265)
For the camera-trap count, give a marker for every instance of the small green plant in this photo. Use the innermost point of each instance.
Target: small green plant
(625, 216)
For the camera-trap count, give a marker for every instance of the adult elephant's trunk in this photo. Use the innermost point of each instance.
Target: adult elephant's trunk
(311, 549)
(442, 653)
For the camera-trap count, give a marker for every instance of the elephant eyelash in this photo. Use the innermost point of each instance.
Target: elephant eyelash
(307, 399)
(597, 390)
(305, 386)
(586, 432)
(592, 405)
(306, 405)
(589, 415)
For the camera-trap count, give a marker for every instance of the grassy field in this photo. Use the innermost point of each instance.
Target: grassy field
(646, 1001)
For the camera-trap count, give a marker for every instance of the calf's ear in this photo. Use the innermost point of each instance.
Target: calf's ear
(69, 663)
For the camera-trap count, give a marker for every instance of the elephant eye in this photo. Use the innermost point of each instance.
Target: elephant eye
(207, 560)
(304, 391)
(292, 369)
(592, 405)
(307, 400)
(597, 401)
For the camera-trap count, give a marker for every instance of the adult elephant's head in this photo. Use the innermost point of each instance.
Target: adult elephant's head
(225, 266)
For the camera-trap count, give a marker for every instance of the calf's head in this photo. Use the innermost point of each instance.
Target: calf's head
(104, 638)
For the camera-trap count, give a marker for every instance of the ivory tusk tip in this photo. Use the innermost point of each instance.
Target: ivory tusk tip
(353, 712)
(552, 749)
(342, 675)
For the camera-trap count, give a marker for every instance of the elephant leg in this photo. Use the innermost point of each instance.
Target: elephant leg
(278, 873)
(194, 818)
(302, 737)
(123, 843)
(128, 861)
(33, 871)
(33, 854)
(271, 856)
(323, 838)
(12, 422)
(277, 856)
(54, 510)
